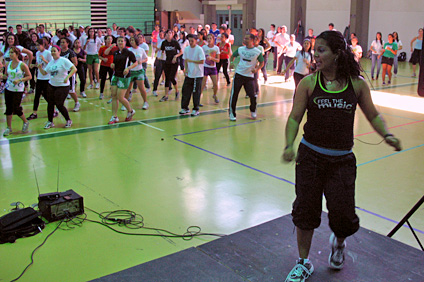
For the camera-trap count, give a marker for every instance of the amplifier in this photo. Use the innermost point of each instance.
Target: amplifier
(59, 205)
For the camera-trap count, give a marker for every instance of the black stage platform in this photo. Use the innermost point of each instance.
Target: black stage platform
(268, 252)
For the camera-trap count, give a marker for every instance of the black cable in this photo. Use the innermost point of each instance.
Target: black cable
(368, 142)
(33, 252)
(132, 220)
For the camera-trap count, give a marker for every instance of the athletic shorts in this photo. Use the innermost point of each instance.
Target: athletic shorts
(92, 59)
(387, 61)
(137, 75)
(121, 82)
(210, 71)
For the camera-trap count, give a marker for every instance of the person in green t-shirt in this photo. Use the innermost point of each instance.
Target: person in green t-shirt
(388, 52)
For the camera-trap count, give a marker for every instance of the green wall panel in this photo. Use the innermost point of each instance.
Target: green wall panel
(131, 12)
(53, 12)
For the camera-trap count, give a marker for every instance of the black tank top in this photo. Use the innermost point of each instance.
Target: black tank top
(330, 116)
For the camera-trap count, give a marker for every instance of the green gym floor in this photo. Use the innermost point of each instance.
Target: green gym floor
(186, 171)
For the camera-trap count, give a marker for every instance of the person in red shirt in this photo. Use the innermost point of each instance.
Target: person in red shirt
(224, 55)
(105, 62)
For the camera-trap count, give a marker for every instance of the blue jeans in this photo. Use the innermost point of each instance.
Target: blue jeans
(374, 59)
(395, 64)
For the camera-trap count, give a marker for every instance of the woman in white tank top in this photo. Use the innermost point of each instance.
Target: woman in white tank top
(17, 73)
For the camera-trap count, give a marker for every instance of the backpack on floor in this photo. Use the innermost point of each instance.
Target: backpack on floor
(19, 224)
(402, 57)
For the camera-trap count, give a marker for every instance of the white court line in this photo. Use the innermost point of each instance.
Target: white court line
(140, 122)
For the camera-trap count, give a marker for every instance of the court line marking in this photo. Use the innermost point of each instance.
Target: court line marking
(19, 139)
(390, 155)
(414, 119)
(234, 161)
(289, 182)
(395, 126)
(211, 129)
(154, 127)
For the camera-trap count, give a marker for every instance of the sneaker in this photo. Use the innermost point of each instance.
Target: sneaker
(162, 82)
(148, 90)
(200, 105)
(395, 75)
(232, 117)
(110, 101)
(163, 99)
(184, 112)
(113, 120)
(25, 127)
(215, 99)
(55, 114)
(31, 91)
(388, 82)
(77, 107)
(101, 96)
(145, 106)
(130, 115)
(68, 123)
(32, 116)
(177, 94)
(130, 96)
(300, 272)
(253, 115)
(195, 113)
(48, 125)
(384, 83)
(97, 85)
(83, 94)
(123, 108)
(7, 132)
(155, 93)
(337, 257)
(90, 86)
(69, 96)
(414, 75)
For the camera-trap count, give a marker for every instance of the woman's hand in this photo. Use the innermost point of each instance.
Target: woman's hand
(288, 154)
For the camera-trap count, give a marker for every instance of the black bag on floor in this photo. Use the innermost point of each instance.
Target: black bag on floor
(402, 57)
(19, 224)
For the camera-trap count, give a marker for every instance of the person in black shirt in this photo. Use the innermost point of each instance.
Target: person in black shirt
(325, 163)
(32, 46)
(123, 61)
(172, 49)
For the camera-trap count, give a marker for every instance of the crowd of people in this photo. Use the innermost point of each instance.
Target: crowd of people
(121, 54)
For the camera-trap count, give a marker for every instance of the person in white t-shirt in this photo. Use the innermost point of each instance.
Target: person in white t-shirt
(251, 61)
(137, 74)
(212, 57)
(143, 45)
(303, 60)
(376, 47)
(271, 36)
(194, 58)
(400, 47)
(281, 39)
(291, 48)
(357, 49)
(61, 70)
(92, 47)
(43, 57)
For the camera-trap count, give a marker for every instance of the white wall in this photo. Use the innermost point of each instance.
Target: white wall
(273, 12)
(319, 13)
(405, 17)
(193, 6)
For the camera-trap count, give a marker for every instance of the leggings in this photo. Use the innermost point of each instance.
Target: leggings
(56, 97)
(104, 70)
(40, 89)
(159, 64)
(82, 76)
(170, 71)
(287, 61)
(146, 80)
(238, 82)
(224, 64)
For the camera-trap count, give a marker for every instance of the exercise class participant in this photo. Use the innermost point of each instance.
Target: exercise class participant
(61, 70)
(325, 163)
(42, 57)
(81, 66)
(212, 57)
(173, 51)
(123, 61)
(92, 47)
(70, 55)
(17, 73)
(105, 62)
